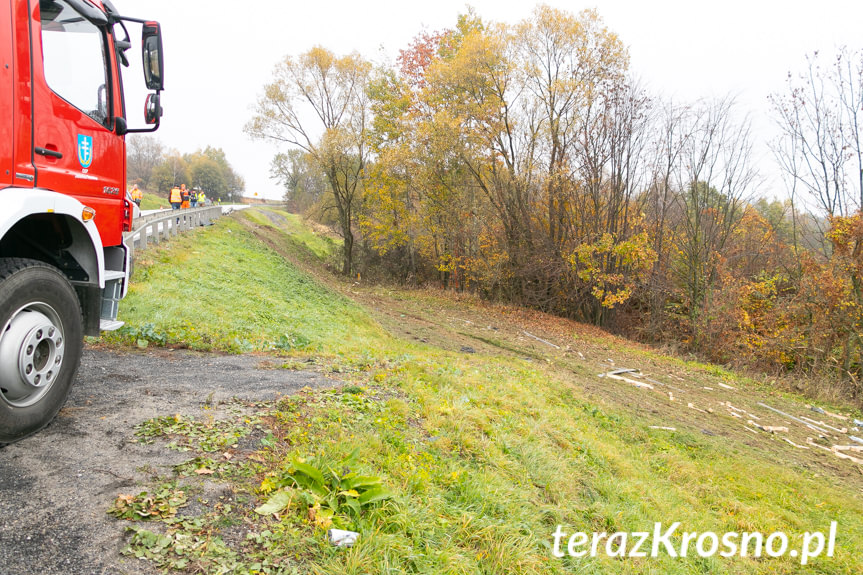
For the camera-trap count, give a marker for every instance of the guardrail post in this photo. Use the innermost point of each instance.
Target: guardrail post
(163, 225)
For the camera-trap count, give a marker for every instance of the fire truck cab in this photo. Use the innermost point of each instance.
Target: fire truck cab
(63, 203)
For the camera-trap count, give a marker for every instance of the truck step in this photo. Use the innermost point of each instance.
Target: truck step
(109, 325)
(114, 275)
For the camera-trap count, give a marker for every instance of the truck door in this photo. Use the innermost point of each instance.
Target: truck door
(76, 151)
(7, 83)
(16, 118)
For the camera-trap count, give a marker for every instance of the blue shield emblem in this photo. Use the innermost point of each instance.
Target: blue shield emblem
(85, 150)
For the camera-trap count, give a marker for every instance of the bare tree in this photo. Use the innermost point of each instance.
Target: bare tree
(143, 154)
(820, 146)
(318, 103)
(172, 171)
(302, 179)
(714, 180)
(821, 152)
(670, 139)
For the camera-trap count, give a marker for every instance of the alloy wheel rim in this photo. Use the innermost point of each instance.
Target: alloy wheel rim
(32, 349)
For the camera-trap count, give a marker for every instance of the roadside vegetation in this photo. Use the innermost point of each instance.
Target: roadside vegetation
(526, 163)
(154, 202)
(222, 291)
(446, 458)
(156, 169)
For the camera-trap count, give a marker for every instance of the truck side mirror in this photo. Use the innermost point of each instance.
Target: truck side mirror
(153, 109)
(154, 68)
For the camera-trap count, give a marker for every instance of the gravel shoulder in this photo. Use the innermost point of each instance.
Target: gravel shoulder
(56, 486)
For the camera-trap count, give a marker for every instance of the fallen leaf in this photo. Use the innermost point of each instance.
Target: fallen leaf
(276, 504)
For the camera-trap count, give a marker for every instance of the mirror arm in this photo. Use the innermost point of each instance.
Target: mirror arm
(144, 130)
(158, 117)
(118, 18)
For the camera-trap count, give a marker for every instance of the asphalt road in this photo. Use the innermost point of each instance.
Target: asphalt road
(56, 486)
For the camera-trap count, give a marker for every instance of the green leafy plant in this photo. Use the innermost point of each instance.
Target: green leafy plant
(143, 335)
(289, 341)
(332, 494)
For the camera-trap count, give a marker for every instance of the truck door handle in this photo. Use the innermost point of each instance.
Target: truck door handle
(49, 153)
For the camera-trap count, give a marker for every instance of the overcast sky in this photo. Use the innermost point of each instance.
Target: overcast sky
(219, 54)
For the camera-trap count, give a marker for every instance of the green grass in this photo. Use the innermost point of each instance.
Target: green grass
(154, 202)
(485, 456)
(299, 234)
(217, 289)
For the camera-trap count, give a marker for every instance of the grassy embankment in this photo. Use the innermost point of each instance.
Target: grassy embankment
(154, 202)
(483, 455)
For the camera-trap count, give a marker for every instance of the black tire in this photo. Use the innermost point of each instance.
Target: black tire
(41, 340)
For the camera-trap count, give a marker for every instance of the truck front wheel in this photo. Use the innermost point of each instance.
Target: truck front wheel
(41, 340)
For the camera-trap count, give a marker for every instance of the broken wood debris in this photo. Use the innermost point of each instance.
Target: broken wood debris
(841, 455)
(768, 428)
(825, 412)
(735, 411)
(809, 441)
(792, 418)
(824, 425)
(837, 450)
(644, 381)
(691, 405)
(540, 339)
(663, 428)
(653, 381)
(727, 386)
(617, 374)
(785, 439)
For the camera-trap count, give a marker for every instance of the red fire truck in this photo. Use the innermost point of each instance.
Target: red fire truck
(63, 204)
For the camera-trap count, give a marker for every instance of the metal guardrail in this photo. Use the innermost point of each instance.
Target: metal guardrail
(154, 228)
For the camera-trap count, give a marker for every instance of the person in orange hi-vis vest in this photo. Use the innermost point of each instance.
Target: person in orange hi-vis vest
(137, 195)
(176, 198)
(184, 194)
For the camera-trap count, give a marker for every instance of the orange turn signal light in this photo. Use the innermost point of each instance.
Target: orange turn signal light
(88, 214)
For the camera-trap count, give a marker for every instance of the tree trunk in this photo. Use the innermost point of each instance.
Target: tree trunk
(347, 254)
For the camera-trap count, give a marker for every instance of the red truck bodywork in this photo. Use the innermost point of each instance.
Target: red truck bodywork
(39, 118)
(63, 202)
